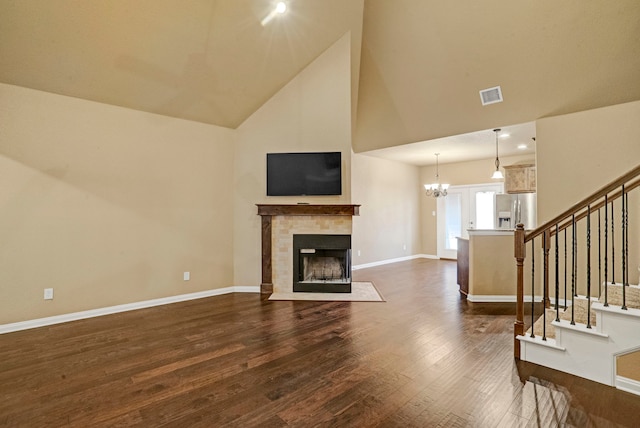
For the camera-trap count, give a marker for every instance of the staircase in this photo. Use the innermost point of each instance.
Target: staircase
(590, 317)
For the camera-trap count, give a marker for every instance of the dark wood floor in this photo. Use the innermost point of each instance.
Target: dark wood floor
(424, 358)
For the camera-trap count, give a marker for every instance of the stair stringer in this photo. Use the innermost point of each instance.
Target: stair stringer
(588, 353)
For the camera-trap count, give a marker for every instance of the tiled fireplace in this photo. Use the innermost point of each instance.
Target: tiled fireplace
(279, 225)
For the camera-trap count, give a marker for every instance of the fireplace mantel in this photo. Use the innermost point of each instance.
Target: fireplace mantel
(308, 209)
(267, 211)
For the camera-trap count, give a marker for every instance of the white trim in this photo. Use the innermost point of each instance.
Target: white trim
(632, 312)
(428, 256)
(74, 316)
(399, 259)
(245, 289)
(627, 351)
(487, 298)
(549, 343)
(491, 232)
(580, 328)
(628, 385)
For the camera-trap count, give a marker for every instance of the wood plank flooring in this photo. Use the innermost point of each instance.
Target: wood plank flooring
(424, 358)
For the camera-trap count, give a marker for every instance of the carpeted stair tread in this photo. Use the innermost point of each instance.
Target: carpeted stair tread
(614, 298)
(579, 316)
(614, 295)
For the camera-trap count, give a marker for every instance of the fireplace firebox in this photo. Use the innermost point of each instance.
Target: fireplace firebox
(322, 263)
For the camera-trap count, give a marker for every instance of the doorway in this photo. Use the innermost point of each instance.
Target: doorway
(464, 207)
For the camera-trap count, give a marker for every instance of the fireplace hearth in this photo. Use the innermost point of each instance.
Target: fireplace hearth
(322, 263)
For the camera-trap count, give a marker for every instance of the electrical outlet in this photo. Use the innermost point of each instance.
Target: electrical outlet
(186, 276)
(358, 253)
(404, 247)
(48, 294)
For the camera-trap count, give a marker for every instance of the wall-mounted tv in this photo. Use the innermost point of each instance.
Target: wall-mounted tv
(304, 174)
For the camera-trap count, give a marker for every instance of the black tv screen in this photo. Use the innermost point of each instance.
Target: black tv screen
(304, 174)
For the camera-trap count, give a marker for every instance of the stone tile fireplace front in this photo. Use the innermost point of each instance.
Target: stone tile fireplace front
(279, 225)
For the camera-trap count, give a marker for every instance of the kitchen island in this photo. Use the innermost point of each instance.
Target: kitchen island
(487, 267)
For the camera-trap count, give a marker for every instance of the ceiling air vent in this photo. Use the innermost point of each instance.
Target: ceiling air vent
(491, 95)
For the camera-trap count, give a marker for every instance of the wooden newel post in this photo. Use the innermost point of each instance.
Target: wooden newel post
(519, 254)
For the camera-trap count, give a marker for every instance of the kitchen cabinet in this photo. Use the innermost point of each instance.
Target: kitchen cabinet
(520, 178)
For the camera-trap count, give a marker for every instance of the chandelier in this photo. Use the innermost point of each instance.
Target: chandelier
(436, 189)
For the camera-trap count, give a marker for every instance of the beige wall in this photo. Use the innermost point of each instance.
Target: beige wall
(311, 113)
(108, 205)
(389, 223)
(579, 153)
(456, 174)
(492, 267)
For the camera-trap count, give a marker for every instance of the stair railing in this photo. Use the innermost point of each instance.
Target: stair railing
(615, 222)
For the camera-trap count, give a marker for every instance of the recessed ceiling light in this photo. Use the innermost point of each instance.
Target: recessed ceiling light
(281, 7)
(522, 146)
(505, 135)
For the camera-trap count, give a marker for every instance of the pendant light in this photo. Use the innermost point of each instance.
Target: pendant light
(497, 174)
(436, 189)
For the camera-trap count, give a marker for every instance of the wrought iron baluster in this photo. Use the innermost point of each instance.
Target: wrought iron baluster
(613, 248)
(575, 252)
(599, 257)
(545, 249)
(626, 237)
(557, 275)
(624, 251)
(565, 268)
(588, 266)
(545, 292)
(533, 282)
(606, 254)
(573, 268)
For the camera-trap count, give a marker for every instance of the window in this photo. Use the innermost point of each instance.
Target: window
(465, 207)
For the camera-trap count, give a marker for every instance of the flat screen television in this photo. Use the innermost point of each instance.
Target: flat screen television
(304, 174)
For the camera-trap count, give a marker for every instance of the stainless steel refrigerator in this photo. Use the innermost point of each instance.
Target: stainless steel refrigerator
(512, 209)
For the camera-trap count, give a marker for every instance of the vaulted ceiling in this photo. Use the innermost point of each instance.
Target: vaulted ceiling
(417, 65)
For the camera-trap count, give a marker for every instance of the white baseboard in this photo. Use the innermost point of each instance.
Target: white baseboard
(487, 298)
(245, 289)
(628, 385)
(74, 316)
(388, 261)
